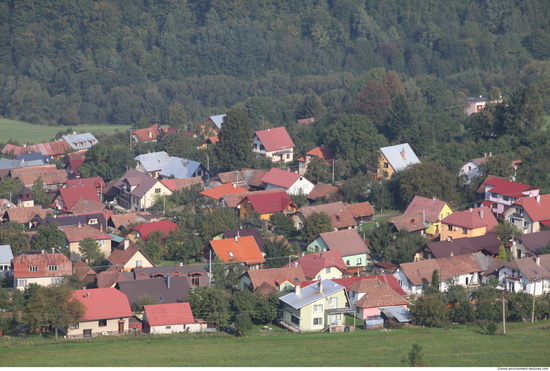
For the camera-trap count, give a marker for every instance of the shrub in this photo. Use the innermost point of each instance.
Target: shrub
(492, 328)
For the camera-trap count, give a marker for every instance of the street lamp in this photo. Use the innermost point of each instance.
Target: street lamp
(237, 212)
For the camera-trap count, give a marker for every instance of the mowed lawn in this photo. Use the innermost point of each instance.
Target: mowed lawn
(24, 132)
(524, 345)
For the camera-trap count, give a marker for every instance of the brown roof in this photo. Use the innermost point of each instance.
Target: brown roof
(123, 219)
(472, 219)
(322, 190)
(337, 211)
(82, 270)
(360, 210)
(377, 294)
(411, 222)
(22, 262)
(347, 242)
(26, 214)
(259, 276)
(50, 177)
(75, 234)
(420, 272)
(432, 207)
(148, 134)
(109, 277)
(120, 257)
(179, 184)
(253, 177)
(277, 238)
(266, 289)
(79, 155)
(529, 268)
(83, 205)
(232, 200)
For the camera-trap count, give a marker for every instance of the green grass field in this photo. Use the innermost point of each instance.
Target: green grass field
(524, 345)
(24, 132)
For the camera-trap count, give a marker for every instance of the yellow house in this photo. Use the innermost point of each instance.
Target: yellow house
(128, 256)
(73, 236)
(211, 126)
(394, 159)
(468, 223)
(434, 212)
(267, 204)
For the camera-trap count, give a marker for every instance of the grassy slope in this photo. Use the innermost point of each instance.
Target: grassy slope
(25, 132)
(524, 345)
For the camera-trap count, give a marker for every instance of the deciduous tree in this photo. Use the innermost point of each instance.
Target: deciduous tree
(373, 101)
(90, 252)
(315, 224)
(211, 304)
(276, 252)
(429, 180)
(50, 237)
(430, 311)
(318, 170)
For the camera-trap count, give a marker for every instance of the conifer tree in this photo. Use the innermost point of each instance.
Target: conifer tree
(235, 146)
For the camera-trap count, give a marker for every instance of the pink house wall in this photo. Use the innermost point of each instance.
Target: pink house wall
(375, 311)
(500, 203)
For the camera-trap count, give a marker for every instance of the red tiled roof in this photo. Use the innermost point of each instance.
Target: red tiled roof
(232, 200)
(148, 134)
(507, 188)
(258, 276)
(537, 211)
(322, 190)
(211, 140)
(377, 294)
(322, 152)
(179, 184)
(103, 303)
(481, 188)
(75, 234)
(76, 163)
(50, 176)
(360, 210)
(275, 139)
(244, 249)
(281, 178)
(123, 219)
(82, 270)
(169, 314)
(270, 202)
(410, 222)
(339, 215)
(120, 257)
(71, 195)
(21, 264)
(433, 207)
(306, 121)
(164, 225)
(389, 279)
(94, 181)
(312, 264)
(76, 155)
(53, 149)
(218, 192)
(487, 203)
(472, 219)
(85, 206)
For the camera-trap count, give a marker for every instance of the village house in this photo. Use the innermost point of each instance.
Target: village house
(142, 231)
(488, 244)
(474, 105)
(530, 244)
(530, 275)
(292, 183)
(218, 192)
(28, 216)
(237, 249)
(352, 248)
(149, 134)
(210, 141)
(433, 210)
(107, 313)
(501, 194)
(368, 296)
(322, 265)
(6, 255)
(473, 169)
(43, 267)
(182, 168)
(266, 204)
(321, 152)
(277, 279)
(169, 318)
(73, 236)
(166, 290)
(95, 181)
(250, 179)
(340, 216)
(127, 255)
(326, 191)
(211, 126)
(394, 159)
(414, 223)
(96, 220)
(25, 198)
(52, 149)
(196, 276)
(242, 232)
(529, 213)
(275, 144)
(152, 163)
(86, 274)
(138, 191)
(80, 141)
(52, 178)
(468, 223)
(180, 184)
(65, 198)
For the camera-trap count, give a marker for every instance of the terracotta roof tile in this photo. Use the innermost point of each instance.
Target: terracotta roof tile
(94, 181)
(275, 139)
(218, 192)
(472, 219)
(148, 134)
(232, 200)
(339, 215)
(169, 314)
(432, 207)
(266, 289)
(270, 202)
(120, 257)
(179, 184)
(347, 242)
(410, 222)
(312, 264)
(26, 214)
(75, 234)
(244, 249)
(23, 261)
(529, 268)
(420, 272)
(123, 219)
(83, 206)
(258, 276)
(253, 177)
(507, 188)
(537, 211)
(103, 303)
(322, 190)
(82, 270)
(360, 210)
(377, 294)
(165, 226)
(282, 178)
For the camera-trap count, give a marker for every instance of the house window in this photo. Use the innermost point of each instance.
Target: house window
(195, 281)
(157, 190)
(448, 213)
(333, 302)
(318, 321)
(347, 262)
(87, 333)
(386, 165)
(512, 219)
(288, 155)
(466, 281)
(75, 326)
(262, 148)
(168, 327)
(21, 282)
(449, 228)
(358, 261)
(327, 270)
(494, 195)
(101, 242)
(441, 217)
(464, 231)
(161, 298)
(139, 263)
(469, 168)
(525, 224)
(199, 173)
(318, 308)
(256, 146)
(295, 320)
(52, 268)
(56, 281)
(300, 226)
(505, 198)
(34, 268)
(102, 322)
(92, 221)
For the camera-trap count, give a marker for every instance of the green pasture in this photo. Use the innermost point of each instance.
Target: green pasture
(28, 133)
(524, 345)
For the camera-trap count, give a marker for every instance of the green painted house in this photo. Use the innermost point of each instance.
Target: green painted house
(316, 306)
(351, 246)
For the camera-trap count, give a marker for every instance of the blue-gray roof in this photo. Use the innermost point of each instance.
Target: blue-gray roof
(6, 254)
(310, 294)
(32, 157)
(218, 120)
(180, 168)
(87, 139)
(153, 161)
(9, 164)
(400, 156)
(399, 313)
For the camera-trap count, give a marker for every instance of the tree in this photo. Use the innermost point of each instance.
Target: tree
(400, 121)
(40, 196)
(281, 224)
(72, 281)
(154, 246)
(429, 180)
(13, 234)
(299, 199)
(234, 149)
(218, 219)
(107, 161)
(318, 170)
(210, 304)
(502, 253)
(225, 275)
(261, 308)
(373, 101)
(546, 249)
(50, 237)
(90, 252)
(461, 309)
(435, 279)
(276, 248)
(242, 323)
(506, 231)
(380, 239)
(314, 225)
(10, 187)
(177, 116)
(137, 306)
(53, 305)
(430, 311)
(415, 357)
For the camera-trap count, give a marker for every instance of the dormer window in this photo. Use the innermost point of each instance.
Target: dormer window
(231, 254)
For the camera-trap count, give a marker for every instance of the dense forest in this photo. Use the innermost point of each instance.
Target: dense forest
(372, 73)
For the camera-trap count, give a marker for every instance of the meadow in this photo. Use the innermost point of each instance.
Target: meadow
(524, 345)
(28, 133)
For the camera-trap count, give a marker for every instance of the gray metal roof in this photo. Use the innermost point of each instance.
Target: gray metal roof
(397, 159)
(88, 139)
(181, 168)
(153, 161)
(6, 254)
(218, 120)
(399, 313)
(311, 294)
(9, 164)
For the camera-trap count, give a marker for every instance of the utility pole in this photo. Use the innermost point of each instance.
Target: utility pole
(332, 171)
(164, 204)
(503, 315)
(533, 311)
(207, 161)
(210, 269)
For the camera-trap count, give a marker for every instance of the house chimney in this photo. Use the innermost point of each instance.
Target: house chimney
(297, 289)
(126, 243)
(538, 199)
(88, 294)
(538, 260)
(471, 209)
(320, 286)
(42, 251)
(485, 154)
(168, 281)
(321, 255)
(181, 264)
(53, 250)
(452, 253)
(434, 198)
(481, 213)
(490, 154)
(79, 225)
(403, 153)
(338, 216)
(150, 134)
(237, 237)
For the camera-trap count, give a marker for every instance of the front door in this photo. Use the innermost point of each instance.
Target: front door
(121, 327)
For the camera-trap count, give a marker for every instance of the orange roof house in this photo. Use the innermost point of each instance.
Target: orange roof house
(43, 267)
(267, 204)
(468, 223)
(209, 141)
(529, 213)
(321, 152)
(278, 278)
(225, 189)
(142, 231)
(237, 249)
(148, 134)
(168, 318)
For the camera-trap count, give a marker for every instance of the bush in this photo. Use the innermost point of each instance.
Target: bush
(242, 323)
(492, 328)
(414, 358)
